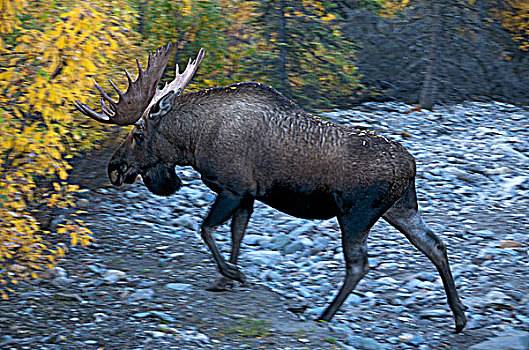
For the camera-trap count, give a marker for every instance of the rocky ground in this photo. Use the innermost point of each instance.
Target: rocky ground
(142, 285)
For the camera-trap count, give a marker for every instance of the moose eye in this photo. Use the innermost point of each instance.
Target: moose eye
(155, 109)
(138, 137)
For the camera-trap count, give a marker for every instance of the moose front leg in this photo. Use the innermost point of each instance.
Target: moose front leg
(225, 206)
(239, 221)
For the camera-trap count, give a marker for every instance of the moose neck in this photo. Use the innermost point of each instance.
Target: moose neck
(182, 131)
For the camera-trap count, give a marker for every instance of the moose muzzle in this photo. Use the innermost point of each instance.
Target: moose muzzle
(121, 173)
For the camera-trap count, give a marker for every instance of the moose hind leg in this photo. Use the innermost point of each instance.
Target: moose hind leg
(407, 220)
(354, 236)
(239, 221)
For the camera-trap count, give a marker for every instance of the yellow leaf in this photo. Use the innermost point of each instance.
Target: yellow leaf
(89, 65)
(60, 43)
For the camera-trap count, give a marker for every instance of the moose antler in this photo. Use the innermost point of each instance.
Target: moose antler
(180, 81)
(140, 92)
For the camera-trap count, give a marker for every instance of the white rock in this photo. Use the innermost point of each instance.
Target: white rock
(178, 286)
(264, 257)
(516, 340)
(112, 276)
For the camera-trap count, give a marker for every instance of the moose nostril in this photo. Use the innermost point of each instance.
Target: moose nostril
(115, 179)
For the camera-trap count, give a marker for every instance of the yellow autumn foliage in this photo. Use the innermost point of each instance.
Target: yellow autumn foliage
(516, 21)
(512, 14)
(8, 15)
(390, 8)
(42, 70)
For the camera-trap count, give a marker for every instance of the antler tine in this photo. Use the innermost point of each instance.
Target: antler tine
(103, 93)
(181, 80)
(149, 61)
(108, 111)
(130, 76)
(133, 102)
(139, 66)
(83, 108)
(115, 87)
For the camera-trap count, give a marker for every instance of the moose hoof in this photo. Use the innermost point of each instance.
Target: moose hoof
(222, 284)
(323, 318)
(231, 271)
(461, 322)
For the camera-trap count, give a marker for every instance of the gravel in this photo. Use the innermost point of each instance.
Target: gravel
(473, 189)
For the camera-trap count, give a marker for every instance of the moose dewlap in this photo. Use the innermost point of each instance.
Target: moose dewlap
(250, 143)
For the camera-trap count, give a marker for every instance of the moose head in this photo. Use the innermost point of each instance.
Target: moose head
(142, 105)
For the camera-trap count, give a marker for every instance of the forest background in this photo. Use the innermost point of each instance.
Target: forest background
(321, 54)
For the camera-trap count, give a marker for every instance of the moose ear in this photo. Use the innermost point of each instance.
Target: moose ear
(163, 106)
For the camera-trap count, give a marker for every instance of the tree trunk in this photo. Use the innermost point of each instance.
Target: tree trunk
(283, 46)
(141, 8)
(429, 87)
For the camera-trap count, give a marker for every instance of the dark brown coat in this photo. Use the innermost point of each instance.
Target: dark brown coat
(249, 139)
(249, 143)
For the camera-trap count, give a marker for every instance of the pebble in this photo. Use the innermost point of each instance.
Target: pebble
(496, 297)
(483, 233)
(179, 286)
(141, 294)
(416, 340)
(517, 340)
(194, 336)
(161, 315)
(509, 243)
(100, 317)
(112, 276)
(59, 272)
(252, 239)
(363, 343)
(62, 282)
(301, 230)
(293, 247)
(263, 257)
(434, 313)
(186, 221)
(279, 242)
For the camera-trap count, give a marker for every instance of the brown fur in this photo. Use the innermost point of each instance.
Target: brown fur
(249, 138)
(249, 143)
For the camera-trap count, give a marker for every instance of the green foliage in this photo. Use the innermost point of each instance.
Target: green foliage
(331, 340)
(243, 40)
(302, 52)
(250, 329)
(219, 26)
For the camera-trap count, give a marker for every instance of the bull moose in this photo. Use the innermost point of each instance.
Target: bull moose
(249, 142)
